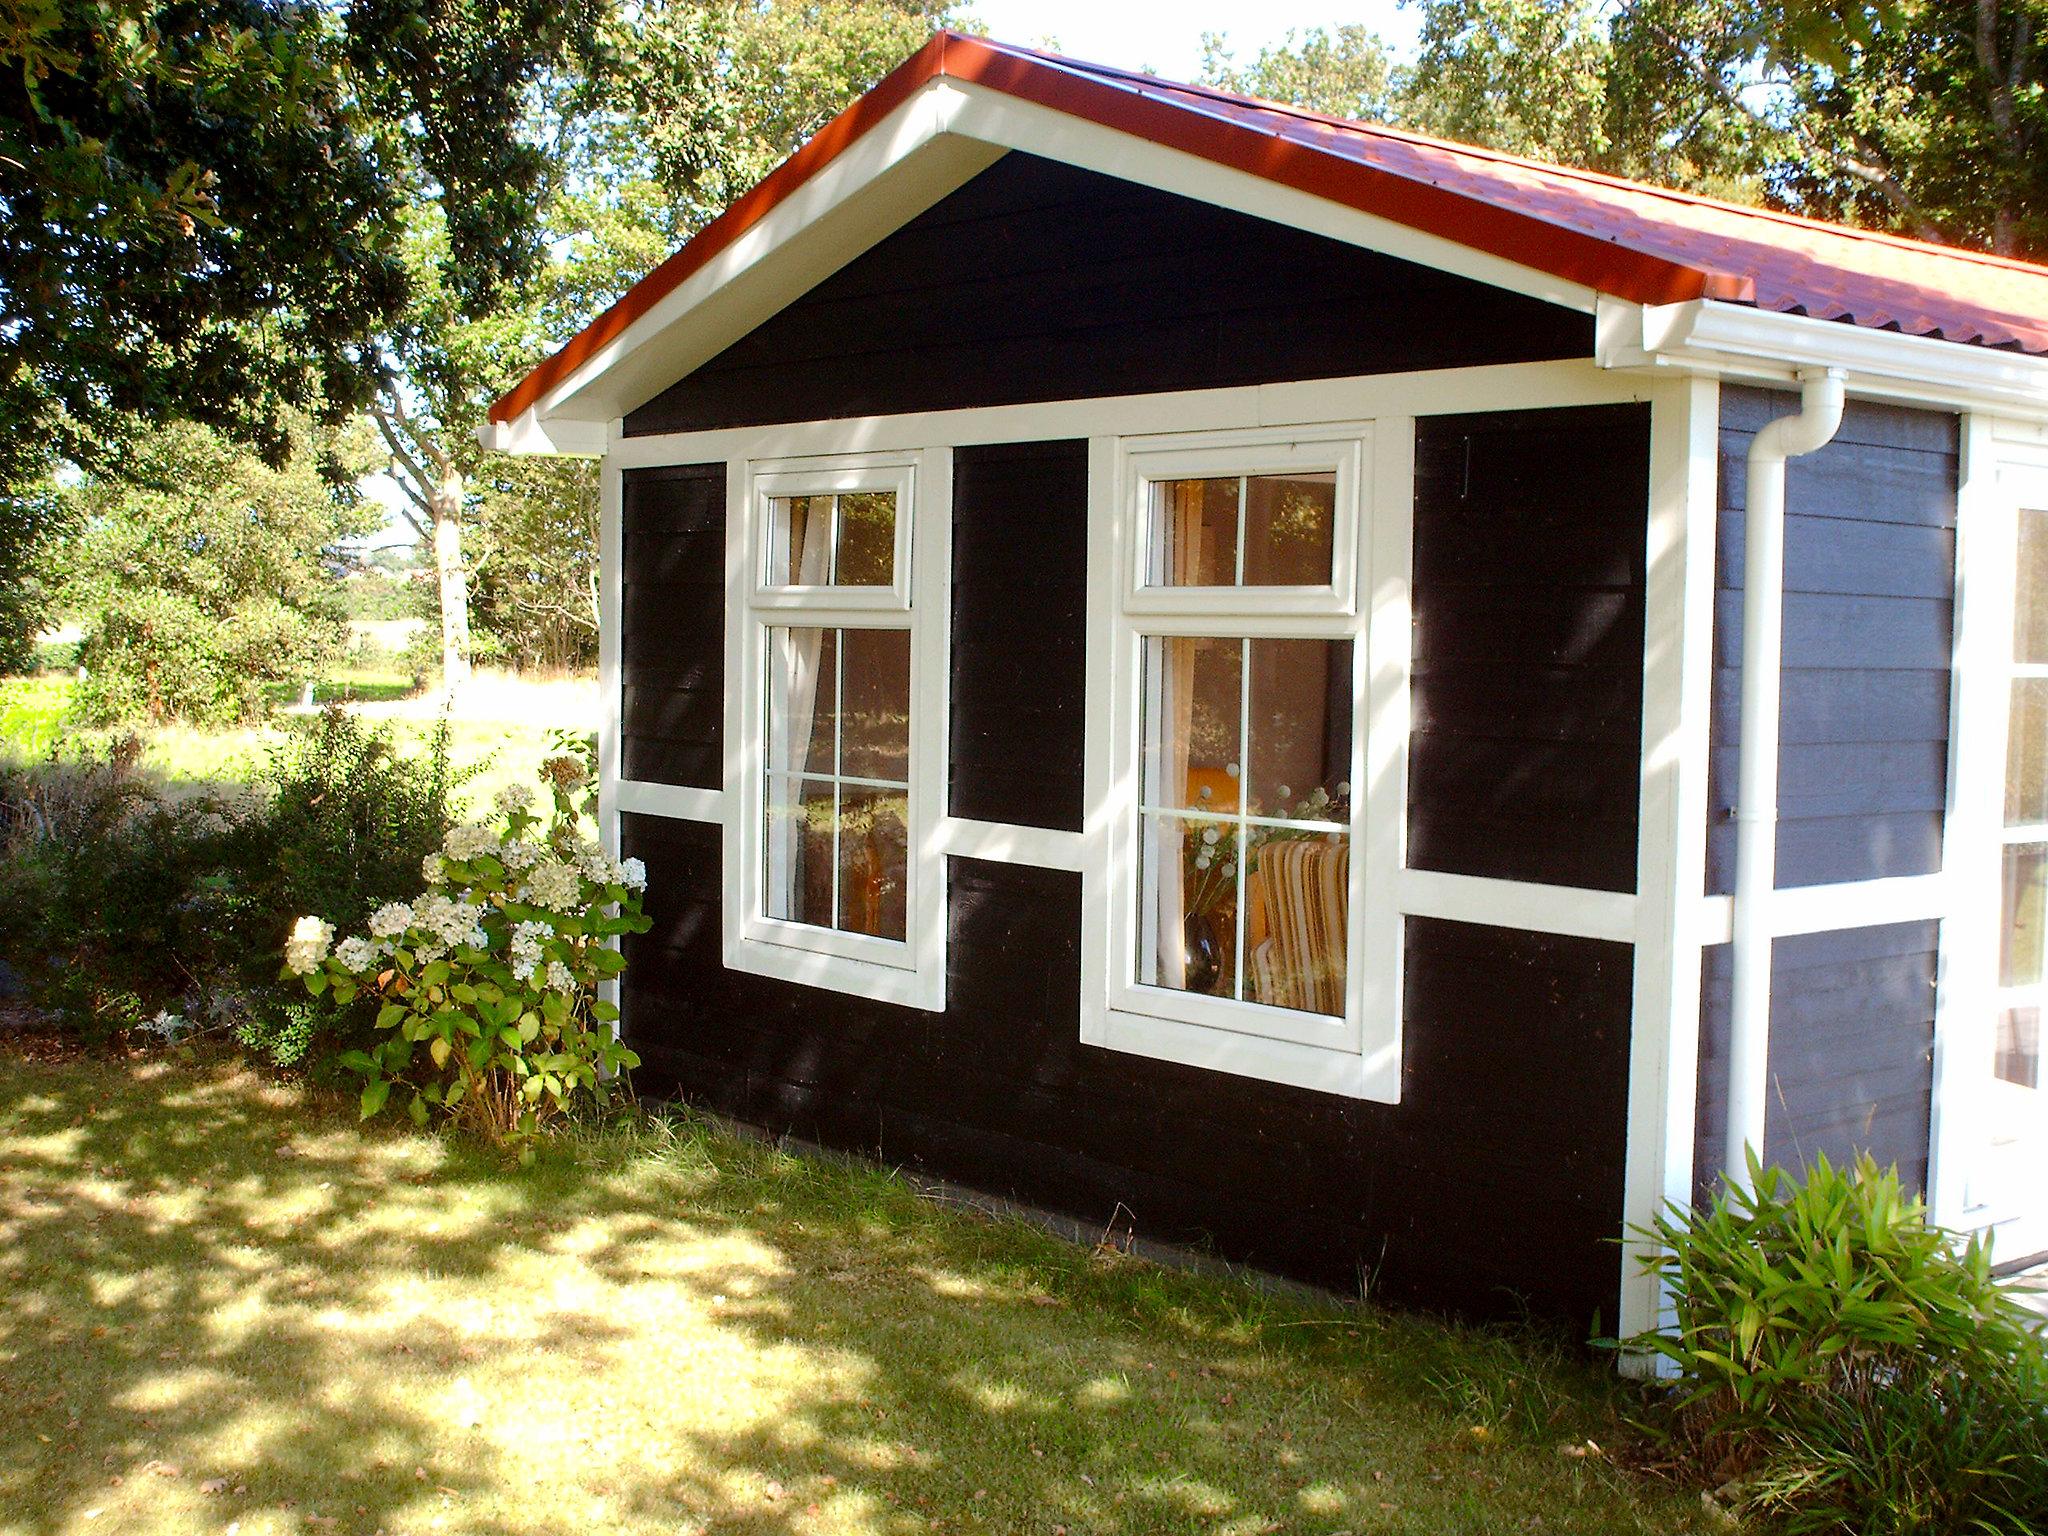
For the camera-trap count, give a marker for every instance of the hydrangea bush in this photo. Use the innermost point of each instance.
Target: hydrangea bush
(489, 976)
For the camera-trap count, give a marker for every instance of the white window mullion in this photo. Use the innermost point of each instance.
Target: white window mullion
(1244, 765)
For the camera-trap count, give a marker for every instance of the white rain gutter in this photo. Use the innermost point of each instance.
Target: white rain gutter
(1756, 794)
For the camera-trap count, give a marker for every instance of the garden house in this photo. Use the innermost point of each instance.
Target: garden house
(1368, 703)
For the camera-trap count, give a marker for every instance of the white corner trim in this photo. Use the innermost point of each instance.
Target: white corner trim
(1795, 910)
(1741, 341)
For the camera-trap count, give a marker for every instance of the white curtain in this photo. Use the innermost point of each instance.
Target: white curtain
(794, 659)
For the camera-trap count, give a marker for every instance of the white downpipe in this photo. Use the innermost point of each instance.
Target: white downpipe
(1756, 791)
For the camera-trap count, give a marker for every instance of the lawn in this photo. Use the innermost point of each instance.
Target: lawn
(224, 1306)
(498, 734)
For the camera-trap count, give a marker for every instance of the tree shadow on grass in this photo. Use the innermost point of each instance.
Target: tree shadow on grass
(205, 1277)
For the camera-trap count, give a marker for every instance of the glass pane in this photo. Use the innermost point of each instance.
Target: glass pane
(1193, 722)
(798, 850)
(2019, 1047)
(873, 850)
(875, 701)
(1297, 906)
(1300, 751)
(2030, 607)
(1187, 906)
(1289, 530)
(867, 540)
(2026, 753)
(2026, 879)
(1194, 532)
(803, 699)
(798, 531)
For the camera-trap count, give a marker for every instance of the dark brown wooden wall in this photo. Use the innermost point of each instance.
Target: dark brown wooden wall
(1869, 587)
(1528, 683)
(672, 625)
(1020, 595)
(1497, 1182)
(1040, 281)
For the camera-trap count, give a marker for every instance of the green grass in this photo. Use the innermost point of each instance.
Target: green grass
(226, 1307)
(494, 752)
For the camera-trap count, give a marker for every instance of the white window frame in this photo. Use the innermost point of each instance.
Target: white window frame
(910, 972)
(1357, 1054)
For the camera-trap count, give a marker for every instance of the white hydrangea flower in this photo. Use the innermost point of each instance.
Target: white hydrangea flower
(517, 855)
(308, 945)
(449, 921)
(556, 885)
(513, 797)
(390, 920)
(525, 948)
(433, 869)
(633, 874)
(469, 840)
(558, 977)
(356, 953)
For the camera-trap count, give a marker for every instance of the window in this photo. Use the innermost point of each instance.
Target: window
(837, 763)
(1234, 903)
(2023, 930)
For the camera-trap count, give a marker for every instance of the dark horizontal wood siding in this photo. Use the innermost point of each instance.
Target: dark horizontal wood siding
(1040, 281)
(1863, 775)
(1020, 591)
(1870, 545)
(1852, 1050)
(672, 625)
(1528, 682)
(1495, 1184)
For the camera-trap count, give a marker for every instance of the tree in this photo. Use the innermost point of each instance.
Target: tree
(204, 576)
(700, 100)
(1345, 73)
(203, 200)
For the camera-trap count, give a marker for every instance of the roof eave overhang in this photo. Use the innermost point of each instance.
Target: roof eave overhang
(1742, 342)
(947, 114)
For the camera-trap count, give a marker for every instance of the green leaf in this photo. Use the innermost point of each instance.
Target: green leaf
(375, 1092)
(439, 1050)
(418, 1110)
(357, 1061)
(390, 1014)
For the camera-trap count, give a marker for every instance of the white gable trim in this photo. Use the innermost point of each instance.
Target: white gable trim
(931, 145)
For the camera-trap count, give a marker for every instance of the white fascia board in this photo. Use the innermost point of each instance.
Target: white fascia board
(1739, 341)
(528, 434)
(937, 140)
(893, 172)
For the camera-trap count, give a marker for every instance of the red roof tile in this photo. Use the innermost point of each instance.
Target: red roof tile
(1636, 242)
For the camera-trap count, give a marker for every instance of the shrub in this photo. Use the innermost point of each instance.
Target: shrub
(120, 906)
(346, 820)
(487, 979)
(1849, 1366)
(103, 898)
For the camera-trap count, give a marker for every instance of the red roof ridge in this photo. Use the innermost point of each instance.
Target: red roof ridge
(1141, 81)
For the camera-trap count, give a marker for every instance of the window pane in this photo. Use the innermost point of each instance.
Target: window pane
(1299, 756)
(1297, 906)
(803, 699)
(2030, 608)
(875, 694)
(799, 528)
(1187, 898)
(1193, 721)
(1195, 532)
(2026, 879)
(1289, 530)
(798, 852)
(2019, 1047)
(873, 850)
(2026, 753)
(867, 540)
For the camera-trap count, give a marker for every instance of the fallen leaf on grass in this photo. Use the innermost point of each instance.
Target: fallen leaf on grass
(214, 1485)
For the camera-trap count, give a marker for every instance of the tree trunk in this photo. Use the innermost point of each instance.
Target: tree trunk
(453, 579)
